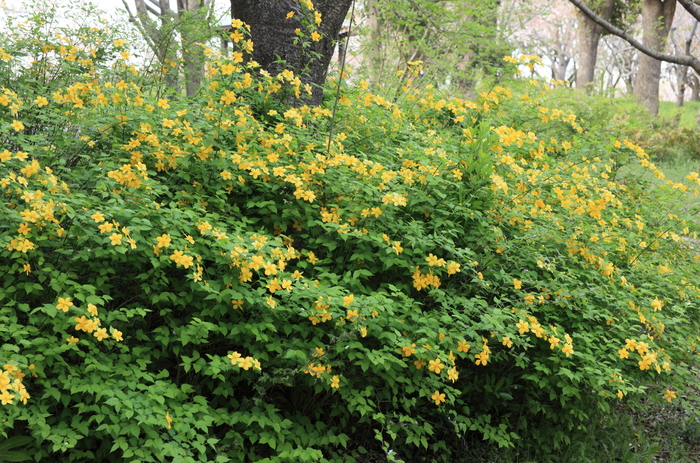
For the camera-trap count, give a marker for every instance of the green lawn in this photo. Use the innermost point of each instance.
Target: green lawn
(668, 110)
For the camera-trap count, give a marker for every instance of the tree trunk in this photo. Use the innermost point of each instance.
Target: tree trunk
(657, 17)
(588, 38)
(375, 55)
(193, 14)
(682, 78)
(694, 88)
(274, 35)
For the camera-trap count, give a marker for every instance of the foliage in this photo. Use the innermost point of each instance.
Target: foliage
(212, 279)
(6, 452)
(457, 41)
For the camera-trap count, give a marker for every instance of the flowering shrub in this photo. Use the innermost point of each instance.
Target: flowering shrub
(211, 279)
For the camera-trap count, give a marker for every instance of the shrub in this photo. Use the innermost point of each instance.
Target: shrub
(212, 279)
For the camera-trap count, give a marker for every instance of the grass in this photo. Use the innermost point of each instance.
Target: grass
(686, 116)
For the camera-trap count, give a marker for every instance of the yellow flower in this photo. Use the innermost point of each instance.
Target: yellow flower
(433, 261)
(452, 374)
(116, 238)
(419, 364)
(163, 240)
(92, 310)
(436, 366)
(623, 353)
(290, 15)
(315, 36)
(181, 259)
(64, 303)
(669, 395)
(462, 346)
(72, 340)
(101, 334)
(482, 358)
(568, 349)
(17, 125)
(41, 101)
(163, 103)
(507, 342)
(407, 351)
(98, 217)
(438, 398)
(335, 382)
(227, 98)
(523, 326)
(657, 304)
(6, 398)
(312, 258)
(347, 300)
(452, 268)
(234, 356)
(105, 227)
(246, 363)
(553, 341)
(517, 284)
(117, 335)
(169, 420)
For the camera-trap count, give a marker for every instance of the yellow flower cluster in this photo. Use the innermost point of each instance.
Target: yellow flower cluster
(423, 280)
(11, 385)
(316, 370)
(648, 358)
(245, 363)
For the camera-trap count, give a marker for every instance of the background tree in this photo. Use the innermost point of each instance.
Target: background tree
(620, 62)
(176, 35)
(655, 34)
(682, 36)
(547, 29)
(589, 33)
(455, 40)
(657, 18)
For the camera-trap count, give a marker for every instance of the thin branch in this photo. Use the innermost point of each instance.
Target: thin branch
(691, 8)
(686, 60)
(140, 27)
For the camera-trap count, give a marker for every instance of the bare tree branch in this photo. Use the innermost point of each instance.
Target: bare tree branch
(685, 60)
(139, 26)
(691, 8)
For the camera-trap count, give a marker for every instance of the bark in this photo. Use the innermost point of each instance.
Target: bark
(657, 17)
(375, 33)
(559, 66)
(588, 37)
(694, 88)
(273, 35)
(193, 14)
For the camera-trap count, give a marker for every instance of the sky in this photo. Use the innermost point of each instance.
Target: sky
(109, 6)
